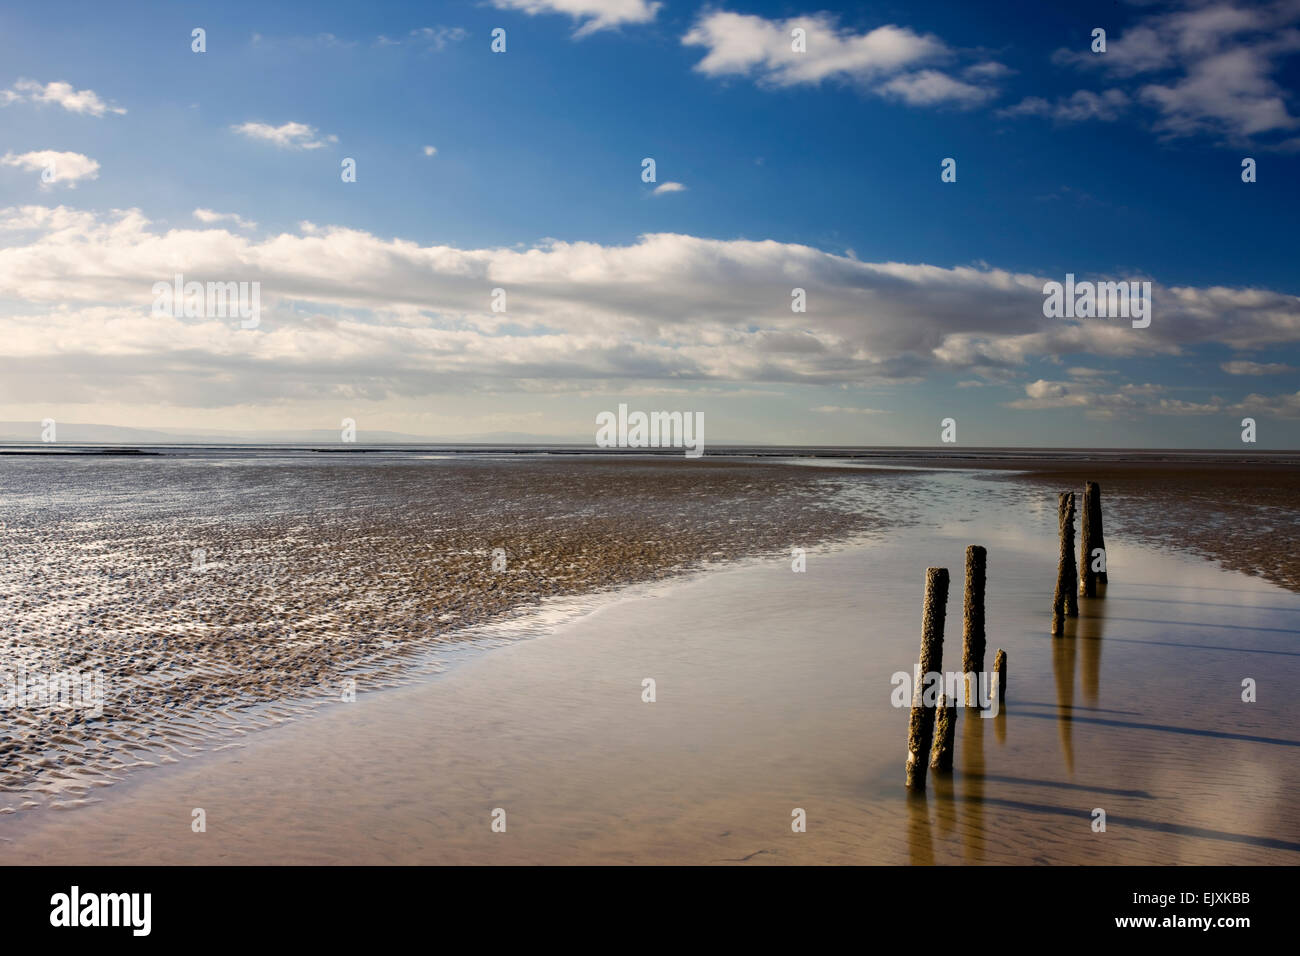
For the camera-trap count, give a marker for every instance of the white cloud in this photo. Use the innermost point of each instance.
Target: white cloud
(288, 136)
(890, 60)
(209, 217)
(437, 38)
(1242, 367)
(929, 87)
(317, 41)
(1207, 67)
(594, 14)
(1229, 91)
(423, 38)
(1100, 400)
(987, 70)
(64, 169)
(842, 410)
(1080, 106)
(663, 188)
(1105, 401)
(60, 94)
(430, 151)
(345, 311)
(1280, 406)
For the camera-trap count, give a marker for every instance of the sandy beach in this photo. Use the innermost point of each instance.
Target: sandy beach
(202, 587)
(773, 694)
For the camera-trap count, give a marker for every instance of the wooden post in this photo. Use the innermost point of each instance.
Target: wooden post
(920, 728)
(1000, 669)
(1098, 540)
(1090, 540)
(1064, 602)
(945, 729)
(972, 635)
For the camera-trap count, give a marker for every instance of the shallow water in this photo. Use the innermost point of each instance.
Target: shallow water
(773, 693)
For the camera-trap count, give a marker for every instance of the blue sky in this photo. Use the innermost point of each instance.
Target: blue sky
(821, 172)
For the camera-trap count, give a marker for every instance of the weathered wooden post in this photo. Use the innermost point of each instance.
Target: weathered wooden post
(972, 634)
(1064, 602)
(1098, 538)
(920, 728)
(1000, 671)
(1087, 577)
(1090, 540)
(945, 728)
(1071, 572)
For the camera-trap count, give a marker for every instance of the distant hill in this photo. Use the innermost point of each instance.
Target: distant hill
(81, 433)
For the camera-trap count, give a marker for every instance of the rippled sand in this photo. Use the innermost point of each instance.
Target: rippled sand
(219, 597)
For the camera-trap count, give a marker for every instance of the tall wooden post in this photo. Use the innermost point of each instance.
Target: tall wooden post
(945, 730)
(1065, 603)
(920, 728)
(1099, 540)
(972, 634)
(1090, 540)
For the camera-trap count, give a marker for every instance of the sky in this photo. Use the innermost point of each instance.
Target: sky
(128, 158)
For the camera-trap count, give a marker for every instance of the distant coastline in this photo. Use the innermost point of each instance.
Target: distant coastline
(928, 455)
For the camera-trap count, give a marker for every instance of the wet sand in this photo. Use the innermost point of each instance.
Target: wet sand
(1245, 516)
(773, 693)
(222, 596)
(1241, 509)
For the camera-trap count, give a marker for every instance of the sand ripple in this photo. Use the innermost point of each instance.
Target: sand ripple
(221, 597)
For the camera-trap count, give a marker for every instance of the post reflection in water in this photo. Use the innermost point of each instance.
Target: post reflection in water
(1089, 628)
(944, 804)
(958, 800)
(1084, 637)
(1064, 651)
(920, 849)
(972, 778)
